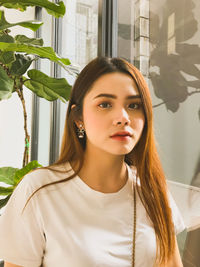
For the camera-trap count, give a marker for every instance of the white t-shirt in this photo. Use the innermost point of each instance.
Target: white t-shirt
(72, 225)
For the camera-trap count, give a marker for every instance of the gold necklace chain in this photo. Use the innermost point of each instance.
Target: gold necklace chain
(134, 226)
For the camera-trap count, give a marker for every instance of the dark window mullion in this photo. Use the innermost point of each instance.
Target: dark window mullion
(108, 28)
(35, 101)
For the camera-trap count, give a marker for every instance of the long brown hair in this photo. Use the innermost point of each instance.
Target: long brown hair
(144, 157)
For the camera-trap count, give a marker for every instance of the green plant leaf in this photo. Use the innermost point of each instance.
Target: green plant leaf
(4, 201)
(43, 52)
(7, 175)
(22, 39)
(20, 65)
(7, 84)
(55, 9)
(6, 57)
(15, 6)
(32, 24)
(22, 172)
(48, 87)
(4, 191)
(61, 10)
(6, 38)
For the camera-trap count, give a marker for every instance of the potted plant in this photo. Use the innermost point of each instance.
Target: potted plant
(17, 53)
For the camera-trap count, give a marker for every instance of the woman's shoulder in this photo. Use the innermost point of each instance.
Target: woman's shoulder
(42, 176)
(28, 189)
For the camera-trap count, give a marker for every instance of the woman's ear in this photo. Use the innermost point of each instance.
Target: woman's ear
(73, 106)
(79, 123)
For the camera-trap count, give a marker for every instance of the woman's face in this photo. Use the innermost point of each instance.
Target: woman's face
(113, 115)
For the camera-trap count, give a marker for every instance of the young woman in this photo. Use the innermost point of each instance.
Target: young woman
(104, 202)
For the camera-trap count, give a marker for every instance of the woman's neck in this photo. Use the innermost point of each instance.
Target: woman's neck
(104, 172)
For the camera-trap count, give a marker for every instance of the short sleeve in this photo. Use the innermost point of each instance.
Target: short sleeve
(22, 239)
(176, 215)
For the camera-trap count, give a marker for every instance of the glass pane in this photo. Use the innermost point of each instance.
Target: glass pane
(79, 28)
(162, 39)
(125, 45)
(79, 38)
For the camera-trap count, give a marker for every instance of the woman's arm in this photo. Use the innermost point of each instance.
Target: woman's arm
(7, 264)
(175, 260)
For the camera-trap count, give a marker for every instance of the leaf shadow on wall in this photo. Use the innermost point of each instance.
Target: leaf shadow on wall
(174, 58)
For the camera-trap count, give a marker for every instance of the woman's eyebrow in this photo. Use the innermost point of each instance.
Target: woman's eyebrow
(114, 96)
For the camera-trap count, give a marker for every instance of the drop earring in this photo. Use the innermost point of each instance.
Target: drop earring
(81, 131)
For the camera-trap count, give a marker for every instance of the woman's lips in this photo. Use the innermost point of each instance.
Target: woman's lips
(121, 136)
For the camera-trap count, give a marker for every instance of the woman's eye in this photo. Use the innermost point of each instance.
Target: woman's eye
(105, 105)
(134, 105)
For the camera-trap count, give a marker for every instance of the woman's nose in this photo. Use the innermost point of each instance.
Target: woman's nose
(122, 118)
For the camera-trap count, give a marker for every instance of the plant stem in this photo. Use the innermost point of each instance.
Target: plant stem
(27, 136)
(19, 90)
